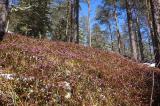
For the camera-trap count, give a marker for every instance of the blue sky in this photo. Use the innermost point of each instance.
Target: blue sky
(94, 5)
(84, 9)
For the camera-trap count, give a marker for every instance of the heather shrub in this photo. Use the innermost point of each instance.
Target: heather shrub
(56, 73)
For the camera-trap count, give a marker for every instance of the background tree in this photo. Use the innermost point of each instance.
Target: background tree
(132, 35)
(3, 17)
(36, 10)
(155, 9)
(109, 13)
(98, 37)
(88, 22)
(77, 21)
(61, 20)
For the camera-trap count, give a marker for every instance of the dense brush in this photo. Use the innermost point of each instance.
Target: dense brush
(58, 73)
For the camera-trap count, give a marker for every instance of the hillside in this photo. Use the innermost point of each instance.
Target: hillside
(57, 73)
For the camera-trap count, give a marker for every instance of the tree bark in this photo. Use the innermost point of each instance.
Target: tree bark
(3, 17)
(141, 47)
(68, 16)
(71, 21)
(132, 36)
(89, 32)
(111, 37)
(156, 36)
(149, 19)
(77, 21)
(117, 29)
(7, 26)
(150, 48)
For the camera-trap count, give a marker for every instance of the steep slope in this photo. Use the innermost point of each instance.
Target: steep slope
(57, 73)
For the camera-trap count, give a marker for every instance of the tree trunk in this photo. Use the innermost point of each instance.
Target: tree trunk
(68, 16)
(71, 21)
(155, 22)
(117, 29)
(149, 19)
(7, 26)
(3, 16)
(132, 36)
(89, 32)
(141, 48)
(111, 37)
(150, 48)
(77, 21)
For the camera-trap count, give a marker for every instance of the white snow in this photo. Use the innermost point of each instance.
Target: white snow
(8, 76)
(10, 32)
(66, 85)
(68, 95)
(150, 64)
(12, 76)
(153, 65)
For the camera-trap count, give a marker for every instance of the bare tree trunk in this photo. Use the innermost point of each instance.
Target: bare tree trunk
(129, 28)
(149, 19)
(111, 37)
(7, 26)
(117, 29)
(156, 37)
(3, 16)
(141, 48)
(77, 21)
(132, 36)
(89, 32)
(71, 21)
(158, 16)
(150, 48)
(68, 16)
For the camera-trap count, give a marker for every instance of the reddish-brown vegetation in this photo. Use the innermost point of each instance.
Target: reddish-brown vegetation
(58, 73)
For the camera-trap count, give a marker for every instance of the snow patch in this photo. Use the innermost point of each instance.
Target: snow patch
(150, 64)
(8, 76)
(68, 95)
(66, 85)
(13, 76)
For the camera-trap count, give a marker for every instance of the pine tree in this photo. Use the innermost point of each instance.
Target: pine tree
(3, 17)
(77, 21)
(132, 36)
(155, 9)
(33, 17)
(88, 22)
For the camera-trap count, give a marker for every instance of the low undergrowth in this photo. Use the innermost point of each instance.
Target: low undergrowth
(47, 73)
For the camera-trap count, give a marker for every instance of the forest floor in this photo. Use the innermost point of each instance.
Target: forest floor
(37, 72)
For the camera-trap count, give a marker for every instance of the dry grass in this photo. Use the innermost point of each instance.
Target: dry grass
(57, 73)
